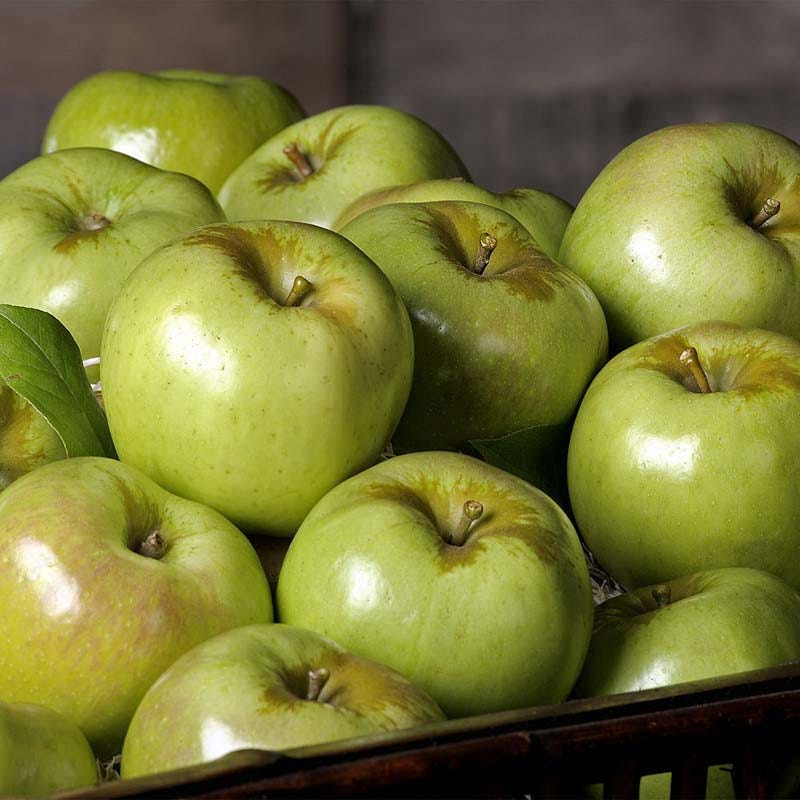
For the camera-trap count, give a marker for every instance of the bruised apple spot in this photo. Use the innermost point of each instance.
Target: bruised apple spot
(317, 150)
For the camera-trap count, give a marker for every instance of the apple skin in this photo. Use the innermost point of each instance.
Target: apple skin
(41, 752)
(247, 689)
(27, 440)
(509, 349)
(352, 149)
(500, 622)
(50, 261)
(83, 598)
(661, 235)
(543, 215)
(665, 481)
(251, 407)
(203, 124)
(719, 622)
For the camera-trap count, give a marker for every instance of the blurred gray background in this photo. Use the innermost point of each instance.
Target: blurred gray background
(538, 94)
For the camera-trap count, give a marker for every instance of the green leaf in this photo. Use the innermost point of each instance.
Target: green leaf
(40, 361)
(537, 454)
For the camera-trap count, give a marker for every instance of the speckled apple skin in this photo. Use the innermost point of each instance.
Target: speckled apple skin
(500, 622)
(94, 623)
(665, 481)
(251, 407)
(352, 149)
(247, 688)
(203, 124)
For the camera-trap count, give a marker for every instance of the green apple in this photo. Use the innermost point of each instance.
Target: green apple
(685, 456)
(278, 360)
(27, 440)
(312, 170)
(705, 625)
(203, 124)
(271, 687)
(41, 752)
(509, 344)
(74, 224)
(682, 227)
(465, 579)
(110, 579)
(543, 215)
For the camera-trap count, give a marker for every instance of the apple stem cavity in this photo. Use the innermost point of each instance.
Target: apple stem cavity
(486, 246)
(662, 595)
(300, 288)
(299, 159)
(770, 208)
(317, 678)
(152, 546)
(473, 511)
(691, 361)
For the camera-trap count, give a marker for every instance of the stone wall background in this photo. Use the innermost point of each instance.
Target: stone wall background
(538, 93)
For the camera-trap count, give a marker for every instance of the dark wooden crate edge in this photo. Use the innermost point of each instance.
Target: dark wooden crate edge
(545, 751)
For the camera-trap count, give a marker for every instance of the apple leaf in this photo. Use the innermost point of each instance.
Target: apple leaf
(41, 362)
(537, 454)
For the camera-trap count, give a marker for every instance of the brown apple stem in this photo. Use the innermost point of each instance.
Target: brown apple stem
(662, 595)
(95, 222)
(299, 159)
(690, 360)
(486, 246)
(153, 546)
(473, 511)
(300, 288)
(317, 678)
(770, 208)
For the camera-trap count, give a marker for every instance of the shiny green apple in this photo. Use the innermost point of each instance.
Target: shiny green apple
(685, 456)
(106, 580)
(271, 687)
(200, 123)
(312, 170)
(74, 224)
(41, 752)
(681, 227)
(709, 624)
(465, 579)
(278, 360)
(499, 347)
(543, 215)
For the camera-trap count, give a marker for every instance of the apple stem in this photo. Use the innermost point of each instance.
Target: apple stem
(317, 678)
(299, 159)
(662, 595)
(486, 246)
(300, 288)
(770, 208)
(95, 222)
(473, 511)
(153, 546)
(690, 359)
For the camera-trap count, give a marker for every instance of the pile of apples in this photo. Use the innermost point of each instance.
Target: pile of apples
(317, 329)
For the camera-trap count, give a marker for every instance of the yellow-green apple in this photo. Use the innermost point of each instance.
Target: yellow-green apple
(708, 624)
(465, 579)
(543, 215)
(693, 222)
(107, 579)
(200, 123)
(312, 170)
(505, 338)
(278, 359)
(685, 455)
(271, 687)
(74, 224)
(42, 752)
